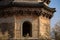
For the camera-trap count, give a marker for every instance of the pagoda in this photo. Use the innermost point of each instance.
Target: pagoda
(25, 19)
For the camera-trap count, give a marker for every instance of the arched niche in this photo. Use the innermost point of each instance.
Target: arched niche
(27, 29)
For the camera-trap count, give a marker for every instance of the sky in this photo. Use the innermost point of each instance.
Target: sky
(56, 15)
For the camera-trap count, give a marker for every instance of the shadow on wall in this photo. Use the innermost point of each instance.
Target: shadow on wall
(5, 2)
(6, 31)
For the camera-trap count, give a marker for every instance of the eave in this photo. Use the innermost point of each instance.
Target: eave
(24, 4)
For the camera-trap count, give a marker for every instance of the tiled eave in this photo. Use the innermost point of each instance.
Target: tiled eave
(24, 4)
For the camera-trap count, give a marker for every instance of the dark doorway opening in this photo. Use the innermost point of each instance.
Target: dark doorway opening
(27, 29)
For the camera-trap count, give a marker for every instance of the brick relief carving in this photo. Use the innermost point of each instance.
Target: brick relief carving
(21, 11)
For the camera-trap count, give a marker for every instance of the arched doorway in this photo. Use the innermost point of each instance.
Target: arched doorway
(27, 29)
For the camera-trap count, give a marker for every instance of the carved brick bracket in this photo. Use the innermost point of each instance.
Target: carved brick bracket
(47, 15)
(24, 11)
(20, 11)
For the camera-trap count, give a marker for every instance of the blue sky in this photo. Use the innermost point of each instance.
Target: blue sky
(56, 16)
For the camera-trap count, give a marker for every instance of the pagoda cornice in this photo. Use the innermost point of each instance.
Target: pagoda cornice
(23, 11)
(24, 4)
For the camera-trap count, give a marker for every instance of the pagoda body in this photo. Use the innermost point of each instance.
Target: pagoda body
(25, 19)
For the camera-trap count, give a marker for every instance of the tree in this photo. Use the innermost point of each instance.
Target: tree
(56, 31)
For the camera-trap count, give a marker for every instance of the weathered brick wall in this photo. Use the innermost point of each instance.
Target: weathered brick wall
(19, 20)
(40, 26)
(44, 29)
(8, 24)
